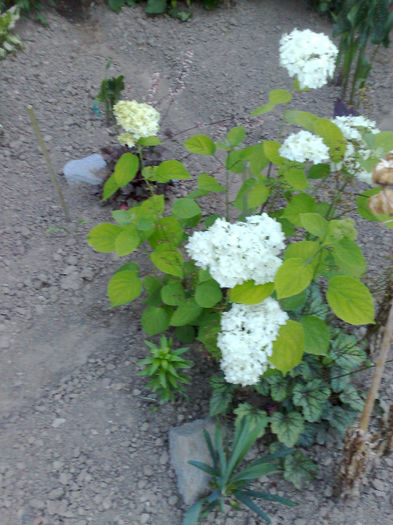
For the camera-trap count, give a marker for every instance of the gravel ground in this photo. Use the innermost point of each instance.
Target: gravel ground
(79, 442)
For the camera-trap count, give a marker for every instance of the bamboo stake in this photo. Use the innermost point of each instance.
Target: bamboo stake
(45, 153)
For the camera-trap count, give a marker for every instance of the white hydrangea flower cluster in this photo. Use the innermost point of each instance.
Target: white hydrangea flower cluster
(235, 253)
(138, 120)
(304, 146)
(352, 128)
(311, 56)
(246, 340)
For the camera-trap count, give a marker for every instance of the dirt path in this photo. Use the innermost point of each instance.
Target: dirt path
(79, 444)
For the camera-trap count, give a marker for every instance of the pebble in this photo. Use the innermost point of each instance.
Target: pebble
(37, 504)
(56, 493)
(164, 458)
(378, 485)
(58, 422)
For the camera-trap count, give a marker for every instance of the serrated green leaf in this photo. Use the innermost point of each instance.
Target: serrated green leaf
(173, 293)
(299, 469)
(103, 237)
(110, 187)
(257, 196)
(153, 288)
(314, 224)
(186, 313)
(124, 287)
(236, 135)
(316, 335)
(166, 230)
(209, 327)
(201, 145)
(265, 108)
(208, 294)
(125, 169)
(127, 241)
(168, 260)
(149, 141)
(288, 347)
(170, 170)
(293, 303)
(186, 208)
(258, 418)
(351, 397)
(270, 148)
(319, 171)
(287, 427)
(311, 398)
(304, 250)
(349, 258)
(278, 387)
(345, 351)
(221, 397)
(208, 183)
(292, 277)
(350, 300)
(154, 320)
(185, 334)
(301, 203)
(341, 418)
(250, 293)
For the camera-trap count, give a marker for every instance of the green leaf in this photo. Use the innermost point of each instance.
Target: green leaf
(293, 303)
(299, 469)
(208, 294)
(288, 348)
(316, 335)
(257, 196)
(258, 418)
(349, 258)
(185, 334)
(278, 387)
(292, 277)
(345, 351)
(110, 187)
(133, 267)
(265, 108)
(166, 230)
(287, 427)
(200, 144)
(173, 293)
(341, 418)
(250, 293)
(186, 208)
(168, 260)
(153, 288)
(350, 300)
(280, 96)
(304, 250)
(301, 203)
(296, 178)
(311, 397)
(170, 170)
(314, 224)
(221, 397)
(156, 7)
(236, 136)
(122, 217)
(103, 237)
(127, 241)
(149, 141)
(154, 320)
(319, 171)
(351, 397)
(209, 327)
(208, 183)
(191, 517)
(241, 200)
(270, 148)
(125, 169)
(186, 313)
(123, 287)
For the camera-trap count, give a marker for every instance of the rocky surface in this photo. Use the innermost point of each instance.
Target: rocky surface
(81, 442)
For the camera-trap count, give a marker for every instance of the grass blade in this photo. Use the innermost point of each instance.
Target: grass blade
(203, 466)
(268, 497)
(251, 505)
(191, 517)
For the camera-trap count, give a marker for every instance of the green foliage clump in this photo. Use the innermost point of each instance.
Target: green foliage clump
(174, 8)
(28, 7)
(228, 483)
(109, 94)
(8, 42)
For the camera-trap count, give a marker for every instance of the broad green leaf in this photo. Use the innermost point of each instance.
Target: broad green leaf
(170, 170)
(318, 171)
(384, 140)
(311, 397)
(191, 517)
(200, 144)
(265, 108)
(258, 160)
(287, 427)
(185, 334)
(209, 327)
(301, 203)
(314, 224)
(153, 288)
(339, 379)
(257, 196)
(110, 187)
(203, 275)
(155, 7)
(292, 277)
(222, 396)
(122, 217)
(149, 141)
(125, 169)
(349, 258)
(258, 418)
(296, 178)
(186, 208)
(236, 136)
(315, 304)
(127, 241)
(151, 208)
(124, 287)
(351, 397)
(293, 303)
(304, 250)
(133, 267)
(288, 347)
(241, 200)
(341, 418)
(186, 313)
(270, 148)
(103, 237)
(208, 183)
(350, 300)
(345, 351)
(362, 204)
(154, 320)
(341, 229)
(280, 96)
(168, 260)
(173, 293)
(278, 387)
(316, 335)
(250, 293)
(166, 230)
(208, 294)
(299, 469)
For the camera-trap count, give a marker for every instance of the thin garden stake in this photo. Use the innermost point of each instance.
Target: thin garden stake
(52, 174)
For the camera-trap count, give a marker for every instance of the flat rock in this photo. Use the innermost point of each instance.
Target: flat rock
(85, 170)
(185, 443)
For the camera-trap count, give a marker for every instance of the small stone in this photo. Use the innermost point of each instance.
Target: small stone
(378, 485)
(147, 470)
(64, 478)
(145, 427)
(58, 421)
(37, 504)
(144, 518)
(5, 342)
(164, 458)
(56, 493)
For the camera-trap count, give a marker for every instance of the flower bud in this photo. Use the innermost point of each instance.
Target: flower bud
(382, 203)
(383, 172)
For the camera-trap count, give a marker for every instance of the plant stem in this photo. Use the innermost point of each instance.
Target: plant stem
(378, 372)
(45, 153)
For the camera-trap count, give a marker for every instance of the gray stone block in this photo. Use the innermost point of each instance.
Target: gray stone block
(185, 443)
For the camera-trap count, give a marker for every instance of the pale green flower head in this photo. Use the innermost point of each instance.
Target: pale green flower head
(138, 119)
(126, 139)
